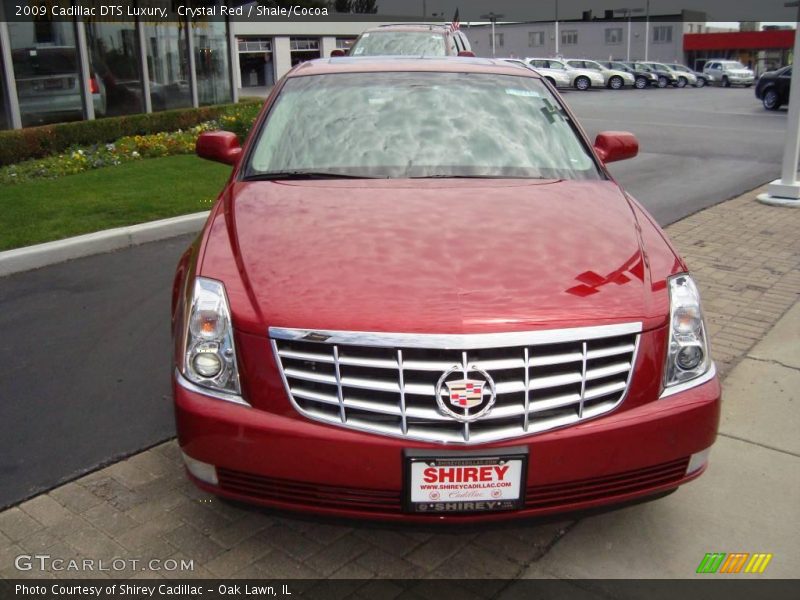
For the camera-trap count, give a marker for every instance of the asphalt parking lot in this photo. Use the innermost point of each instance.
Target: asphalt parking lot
(87, 342)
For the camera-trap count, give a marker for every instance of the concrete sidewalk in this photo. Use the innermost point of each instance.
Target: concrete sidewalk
(747, 501)
(746, 258)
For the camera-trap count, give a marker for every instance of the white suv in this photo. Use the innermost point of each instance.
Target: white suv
(729, 72)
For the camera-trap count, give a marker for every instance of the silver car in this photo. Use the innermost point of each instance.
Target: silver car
(557, 77)
(580, 79)
(729, 72)
(616, 79)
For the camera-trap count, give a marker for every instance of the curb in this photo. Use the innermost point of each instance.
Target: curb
(50, 253)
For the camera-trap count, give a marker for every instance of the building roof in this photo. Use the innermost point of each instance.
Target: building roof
(740, 40)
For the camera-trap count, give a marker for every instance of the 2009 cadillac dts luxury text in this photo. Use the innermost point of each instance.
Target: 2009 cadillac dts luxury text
(422, 296)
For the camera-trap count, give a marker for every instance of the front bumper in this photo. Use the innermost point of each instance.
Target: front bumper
(289, 462)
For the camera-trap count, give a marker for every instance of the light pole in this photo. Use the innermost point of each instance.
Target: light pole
(493, 18)
(786, 190)
(646, 29)
(556, 1)
(627, 12)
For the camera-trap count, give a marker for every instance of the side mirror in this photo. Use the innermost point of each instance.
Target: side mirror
(338, 52)
(615, 145)
(466, 53)
(220, 146)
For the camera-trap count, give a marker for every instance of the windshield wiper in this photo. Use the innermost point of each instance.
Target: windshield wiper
(302, 174)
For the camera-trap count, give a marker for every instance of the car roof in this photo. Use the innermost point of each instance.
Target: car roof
(377, 64)
(437, 27)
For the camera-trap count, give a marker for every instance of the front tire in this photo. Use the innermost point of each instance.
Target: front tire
(662, 81)
(582, 83)
(641, 83)
(700, 82)
(682, 81)
(616, 83)
(726, 82)
(771, 101)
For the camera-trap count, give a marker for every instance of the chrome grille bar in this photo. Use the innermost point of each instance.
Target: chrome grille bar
(371, 382)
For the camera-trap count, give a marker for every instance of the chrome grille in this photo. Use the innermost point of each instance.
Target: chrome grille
(385, 383)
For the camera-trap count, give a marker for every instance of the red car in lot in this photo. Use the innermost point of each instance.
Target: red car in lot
(421, 295)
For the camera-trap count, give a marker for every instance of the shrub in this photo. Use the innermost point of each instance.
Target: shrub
(238, 119)
(36, 142)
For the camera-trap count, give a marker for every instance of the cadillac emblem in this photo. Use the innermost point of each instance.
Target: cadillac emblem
(461, 395)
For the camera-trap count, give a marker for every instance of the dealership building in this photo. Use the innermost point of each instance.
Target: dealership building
(682, 38)
(91, 68)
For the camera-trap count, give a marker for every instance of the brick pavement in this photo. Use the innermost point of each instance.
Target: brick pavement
(746, 258)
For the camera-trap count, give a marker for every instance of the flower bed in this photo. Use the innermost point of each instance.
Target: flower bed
(77, 159)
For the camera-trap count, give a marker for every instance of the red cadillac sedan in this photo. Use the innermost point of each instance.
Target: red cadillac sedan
(421, 296)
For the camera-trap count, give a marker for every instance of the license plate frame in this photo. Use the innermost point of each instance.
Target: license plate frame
(516, 458)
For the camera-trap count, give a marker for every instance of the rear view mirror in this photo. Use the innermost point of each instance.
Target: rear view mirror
(615, 145)
(220, 146)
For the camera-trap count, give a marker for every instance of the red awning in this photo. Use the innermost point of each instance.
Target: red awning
(778, 39)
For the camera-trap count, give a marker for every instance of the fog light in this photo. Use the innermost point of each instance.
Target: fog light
(207, 364)
(200, 470)
(689, 357)
(698, 460)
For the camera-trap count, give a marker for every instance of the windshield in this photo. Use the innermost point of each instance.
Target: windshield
(733, 65)
(410, 124)
(399, 43)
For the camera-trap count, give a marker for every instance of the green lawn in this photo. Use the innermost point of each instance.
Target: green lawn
(156, 188)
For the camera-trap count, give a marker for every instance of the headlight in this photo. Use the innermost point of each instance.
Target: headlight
(210, 355)
(687, 352)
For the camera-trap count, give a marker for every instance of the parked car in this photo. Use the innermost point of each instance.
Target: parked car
(729, 72)
(700, 79)
(433, 313)
(556, 77)
(773, 88)
(664, 77)
(642, 78)
(675, 78)
(616, 79)
(410, 39)
(49, 86)
(580, 79)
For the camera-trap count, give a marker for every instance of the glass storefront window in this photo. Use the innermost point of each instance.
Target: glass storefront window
(211, 61)
(5, 120)
(114, 55)
(256, 63)
(304, 49)
(46, 72)
(168, 64)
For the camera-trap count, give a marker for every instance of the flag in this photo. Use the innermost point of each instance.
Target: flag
(455, 25)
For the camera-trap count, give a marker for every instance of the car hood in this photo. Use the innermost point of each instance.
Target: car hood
(438, 256)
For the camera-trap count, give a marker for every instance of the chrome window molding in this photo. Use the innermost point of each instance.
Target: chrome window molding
(211, 393)
(378, 382)
(687, 385)
(447, 341)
